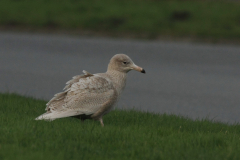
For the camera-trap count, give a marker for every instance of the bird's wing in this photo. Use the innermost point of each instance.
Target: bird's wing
(84, 94)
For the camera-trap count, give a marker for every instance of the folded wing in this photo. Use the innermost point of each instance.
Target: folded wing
(84, 94)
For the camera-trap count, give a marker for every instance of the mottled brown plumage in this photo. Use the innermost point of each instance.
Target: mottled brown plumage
(91, 95)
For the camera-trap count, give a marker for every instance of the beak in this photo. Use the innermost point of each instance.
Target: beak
(139, 69)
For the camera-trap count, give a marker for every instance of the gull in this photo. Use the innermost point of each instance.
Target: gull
(91, 96)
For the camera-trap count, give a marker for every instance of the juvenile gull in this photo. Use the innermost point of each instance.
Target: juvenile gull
(91, 95)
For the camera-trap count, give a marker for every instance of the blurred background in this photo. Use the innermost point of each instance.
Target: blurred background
(149, 19)
(189, 49)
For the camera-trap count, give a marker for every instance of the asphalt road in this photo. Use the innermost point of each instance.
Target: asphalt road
(187, 79)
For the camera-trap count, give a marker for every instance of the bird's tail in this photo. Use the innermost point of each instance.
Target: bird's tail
(46, 116)
(54, 115)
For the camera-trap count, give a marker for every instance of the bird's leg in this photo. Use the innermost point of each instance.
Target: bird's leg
(101, 121)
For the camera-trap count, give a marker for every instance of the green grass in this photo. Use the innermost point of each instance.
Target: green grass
(126, 135)
(141, 18)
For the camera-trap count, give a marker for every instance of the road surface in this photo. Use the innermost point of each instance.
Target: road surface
(193, 80)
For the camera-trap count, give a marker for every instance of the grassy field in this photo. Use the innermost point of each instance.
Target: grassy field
(138, 18)
(126, 135)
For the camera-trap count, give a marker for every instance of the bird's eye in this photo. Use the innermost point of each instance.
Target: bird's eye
(124, 62)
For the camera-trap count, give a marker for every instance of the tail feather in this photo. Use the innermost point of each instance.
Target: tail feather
(54, 115)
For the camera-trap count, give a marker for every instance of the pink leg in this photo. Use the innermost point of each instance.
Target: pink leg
(101, 121)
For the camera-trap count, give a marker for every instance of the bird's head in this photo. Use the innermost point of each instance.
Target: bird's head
(123, 63)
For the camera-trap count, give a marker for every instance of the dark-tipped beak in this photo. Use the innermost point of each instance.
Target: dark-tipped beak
(139, 69)
(143, 71)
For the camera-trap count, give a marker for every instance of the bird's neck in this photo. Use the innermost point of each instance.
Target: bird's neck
(118, 80)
